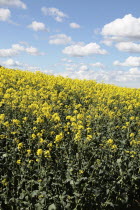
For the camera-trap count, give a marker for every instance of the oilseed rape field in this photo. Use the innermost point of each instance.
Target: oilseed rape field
(67, 144)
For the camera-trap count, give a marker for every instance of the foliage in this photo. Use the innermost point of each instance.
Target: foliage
(67, 144)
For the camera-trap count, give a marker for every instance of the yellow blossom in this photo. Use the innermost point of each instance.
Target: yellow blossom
(132, 134)
(18, 162)
(81, 171)
(33, 136)
(17, 122)
(114, 146)
(4, 182)
(39, 152)
(110, 141)
(58, 138)
(28, 151)
(20, 145)
(47, 154)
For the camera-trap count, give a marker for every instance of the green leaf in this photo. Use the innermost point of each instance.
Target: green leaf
(34, 193)
(52, 207)
(119, 161)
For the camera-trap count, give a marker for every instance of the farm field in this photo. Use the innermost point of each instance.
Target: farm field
(67, 144)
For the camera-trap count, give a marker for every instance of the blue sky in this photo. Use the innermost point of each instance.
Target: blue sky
(83, 39)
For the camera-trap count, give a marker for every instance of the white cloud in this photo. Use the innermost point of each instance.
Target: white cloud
(5, 14)
(16, 3)
(55, 13)
(66, 60)
(130, 78)
(11, 63)
(60, 39)
(74, 25)
(98, 64)
(107, 42)
(127, 27)
(8, 52)
(37, 26)
(134, 71)
(16, 49)
(130, 61)
(33, 51)
(128, 47)
(16, 64)
(83, 68)
(79, 50)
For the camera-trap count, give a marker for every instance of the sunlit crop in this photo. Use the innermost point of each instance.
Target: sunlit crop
(67, 144)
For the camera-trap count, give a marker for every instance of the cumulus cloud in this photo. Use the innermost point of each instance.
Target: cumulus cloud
(37, 26)
(107, 42)
(5, 14)
(16, 64)
(74, 25)
(14, 3)
(10, 62)
(98, 65)
(66, 60)
(124, 31)
(60, 39)
(83, 68)
(8, 52)
(58, 15)
(33, 51)
(128, 26)
(130, 78)
(128, 47)
(79, 50)
(16, 49)
(130, 61)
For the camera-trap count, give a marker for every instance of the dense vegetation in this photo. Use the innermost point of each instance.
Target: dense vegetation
(67, 144)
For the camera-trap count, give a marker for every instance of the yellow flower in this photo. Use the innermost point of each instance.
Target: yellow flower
(47, 154)
(4, 182)
(20, 145)
(15, 121)
(25, 118)
(68, 117)
(58, 138)
(6, 124)
(39, 120)
(81, 171)
(133, 142)
(50, 145)
(2, 117)
(39, 152)
(132, 134)
(127, 151)
(127, 123)
(114, 146)
(132, 118)
(28, 151)
(41, 140)
(56, 117)
(124, 127)
(33, 136)
(89, 137)
(18, 162)
(110, 141)
(37, 160)
(39, 134)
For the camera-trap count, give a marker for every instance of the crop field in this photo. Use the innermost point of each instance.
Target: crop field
(67, 144)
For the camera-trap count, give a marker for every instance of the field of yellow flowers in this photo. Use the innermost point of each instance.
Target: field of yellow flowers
(67, 144)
